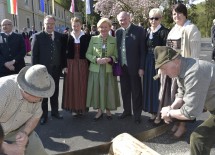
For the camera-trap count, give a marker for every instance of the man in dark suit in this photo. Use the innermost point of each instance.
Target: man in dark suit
(12, 50)
(32, 31)
(131, 51)
(47, 50)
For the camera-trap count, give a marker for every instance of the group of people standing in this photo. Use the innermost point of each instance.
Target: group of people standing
(184, 36)
(87, 63)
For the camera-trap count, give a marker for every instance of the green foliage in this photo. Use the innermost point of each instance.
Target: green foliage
(201, 15)
(65, 3)
(167, 20)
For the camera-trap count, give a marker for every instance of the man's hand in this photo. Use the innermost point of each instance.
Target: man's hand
(21, 139)
(13, 149)
(65, 70)
(164, 114)
(10, 65)
(141, 72)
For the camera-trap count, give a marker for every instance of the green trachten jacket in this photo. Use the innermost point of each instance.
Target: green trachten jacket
(95, 51)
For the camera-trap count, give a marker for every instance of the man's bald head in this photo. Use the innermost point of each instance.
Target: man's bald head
(124, 19)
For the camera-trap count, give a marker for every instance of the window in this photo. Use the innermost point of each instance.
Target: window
(41, 25)
(46, 8)
(39, 5)
(26, 2)
(28, 23)
(50, 10)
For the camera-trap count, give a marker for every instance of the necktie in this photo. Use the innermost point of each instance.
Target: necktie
(7, 35)
(50, 35)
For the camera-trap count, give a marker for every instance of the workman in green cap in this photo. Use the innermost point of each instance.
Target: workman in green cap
(196, 91)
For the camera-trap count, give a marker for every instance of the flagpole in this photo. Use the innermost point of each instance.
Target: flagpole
(86, 20)
(86, 12)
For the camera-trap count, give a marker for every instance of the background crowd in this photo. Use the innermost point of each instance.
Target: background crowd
(86, 59)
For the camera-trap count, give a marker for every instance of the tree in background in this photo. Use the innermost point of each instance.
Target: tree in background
(201, 14)
(209, 16)
(138, 8)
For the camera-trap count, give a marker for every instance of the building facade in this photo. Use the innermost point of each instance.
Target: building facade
(30, 14)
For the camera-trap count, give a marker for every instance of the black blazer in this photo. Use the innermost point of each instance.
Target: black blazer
(42, 50)
(32, 32)
(12, 48)
(68, 45)
(135, 47)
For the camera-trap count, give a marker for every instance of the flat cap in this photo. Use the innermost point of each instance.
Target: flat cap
(164, 54)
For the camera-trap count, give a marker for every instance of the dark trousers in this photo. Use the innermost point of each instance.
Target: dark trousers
(213, 53)
(55, 73)
(131, 89)
(203, 137)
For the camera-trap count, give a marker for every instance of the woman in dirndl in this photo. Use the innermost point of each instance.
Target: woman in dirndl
(156, 36)
(76, 73)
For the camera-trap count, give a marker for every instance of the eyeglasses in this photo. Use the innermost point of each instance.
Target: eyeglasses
(154, 18)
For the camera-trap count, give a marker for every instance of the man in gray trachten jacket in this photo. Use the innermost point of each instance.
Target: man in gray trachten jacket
(196, 91)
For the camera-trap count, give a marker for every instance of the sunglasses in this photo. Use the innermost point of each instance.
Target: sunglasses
(154, 18)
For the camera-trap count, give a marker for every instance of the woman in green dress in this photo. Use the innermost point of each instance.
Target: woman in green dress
(102, 90)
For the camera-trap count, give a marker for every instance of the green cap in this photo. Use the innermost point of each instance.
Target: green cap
(164, 54)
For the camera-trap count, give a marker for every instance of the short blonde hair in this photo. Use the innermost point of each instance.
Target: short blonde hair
(104, 20)
(76, 20)
(155, 11)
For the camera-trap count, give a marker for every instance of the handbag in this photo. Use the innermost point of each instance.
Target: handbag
(117, 69)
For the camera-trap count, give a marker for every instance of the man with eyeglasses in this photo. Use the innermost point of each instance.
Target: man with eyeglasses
(12, 50)
(20, 109)
(47, 50)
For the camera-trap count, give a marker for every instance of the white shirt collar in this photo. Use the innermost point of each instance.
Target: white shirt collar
(77, 40)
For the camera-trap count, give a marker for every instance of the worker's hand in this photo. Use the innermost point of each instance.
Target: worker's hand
(14, 149)
(21, 139)
(164, 112)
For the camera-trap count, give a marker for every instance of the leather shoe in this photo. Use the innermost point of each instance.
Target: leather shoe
(43, 120)
(109, 117)
(58, 116)
(137, 121)
(97, 118)
(124, 115)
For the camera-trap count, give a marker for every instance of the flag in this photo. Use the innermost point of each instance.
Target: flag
(53, 8)
(72, 7)
(89, 6)
(12, 7)
(42, 5)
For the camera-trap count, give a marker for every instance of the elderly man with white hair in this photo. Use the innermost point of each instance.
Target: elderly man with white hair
(12, 50)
